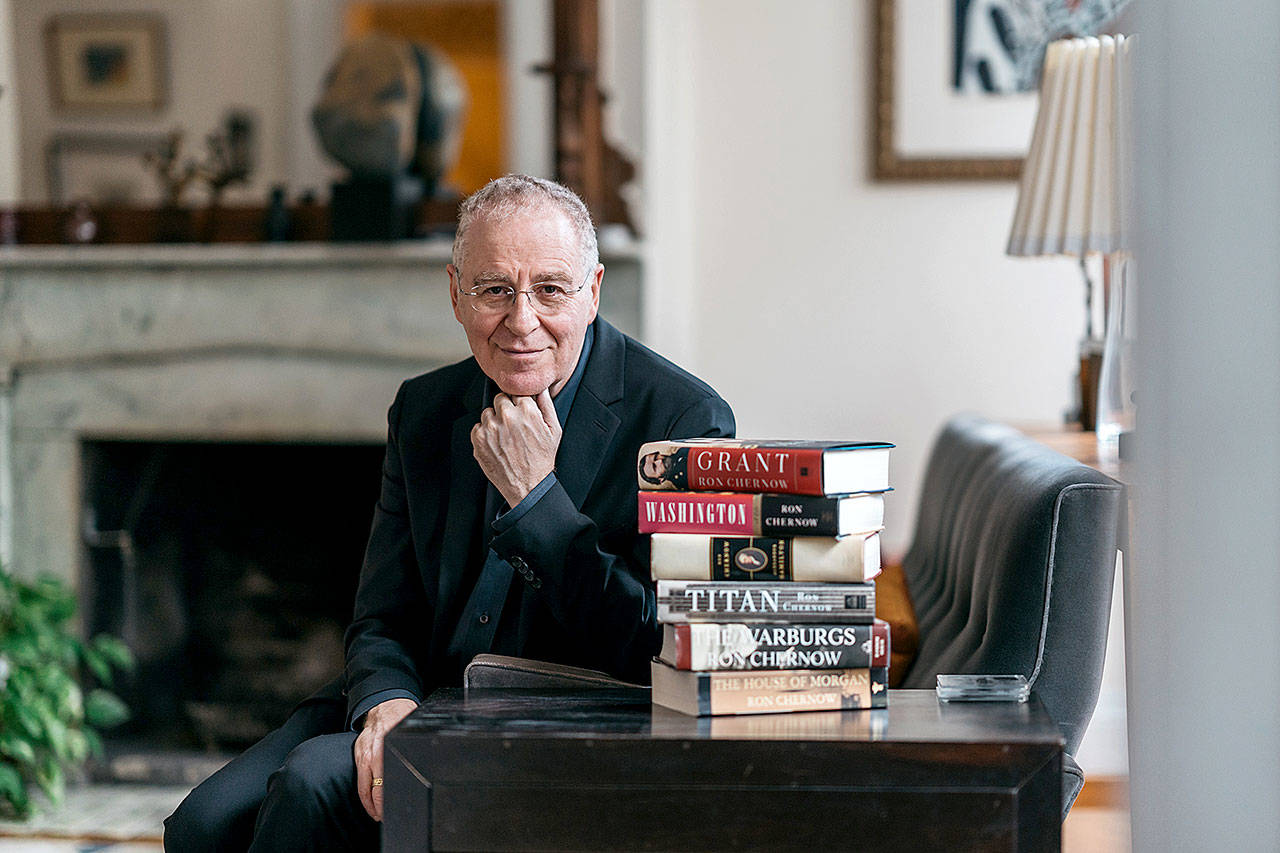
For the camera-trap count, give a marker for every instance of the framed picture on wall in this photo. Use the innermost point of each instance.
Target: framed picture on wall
(102, 168)
(107, 62)
(934, 118)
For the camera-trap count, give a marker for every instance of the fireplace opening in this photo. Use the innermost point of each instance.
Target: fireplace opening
(230, 570)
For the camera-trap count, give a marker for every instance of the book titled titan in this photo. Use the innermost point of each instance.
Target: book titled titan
(713, 646)
(807, 559)
(745, 514)
(754, 601)
(777, 465)
(702, 694)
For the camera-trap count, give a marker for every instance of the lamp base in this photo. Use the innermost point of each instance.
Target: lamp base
(1090, 371)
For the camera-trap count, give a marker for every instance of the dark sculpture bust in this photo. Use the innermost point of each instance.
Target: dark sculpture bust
(391, 112)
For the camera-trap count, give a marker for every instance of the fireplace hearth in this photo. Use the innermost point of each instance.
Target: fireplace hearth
(229, 569)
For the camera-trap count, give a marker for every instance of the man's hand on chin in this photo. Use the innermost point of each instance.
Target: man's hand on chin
(516, 442)
(368, 750)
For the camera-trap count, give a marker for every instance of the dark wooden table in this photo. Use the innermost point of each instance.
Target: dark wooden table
(605, 770)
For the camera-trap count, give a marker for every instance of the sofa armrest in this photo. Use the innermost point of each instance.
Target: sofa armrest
(1072, 782)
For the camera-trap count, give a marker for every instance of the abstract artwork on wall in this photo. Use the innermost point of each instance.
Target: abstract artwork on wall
(955, 84)
(998, 45)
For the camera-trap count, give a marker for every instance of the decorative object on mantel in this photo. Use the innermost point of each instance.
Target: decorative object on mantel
(1073, 200)
(391, 113)
(229, 160)
(82, 223)
(277, 224)
(930, 123)
(173, 223)
(107, 62)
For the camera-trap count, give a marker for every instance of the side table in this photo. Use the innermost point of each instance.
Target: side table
(514, 769)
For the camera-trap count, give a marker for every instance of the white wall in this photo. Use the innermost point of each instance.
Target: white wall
(223, 53)
(1204, 590)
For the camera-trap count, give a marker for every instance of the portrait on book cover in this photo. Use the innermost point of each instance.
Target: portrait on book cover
(665, 471)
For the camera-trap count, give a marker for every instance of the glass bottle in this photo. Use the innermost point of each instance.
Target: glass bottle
(1116, 402)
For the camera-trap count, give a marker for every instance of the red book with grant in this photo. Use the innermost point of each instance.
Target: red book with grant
(779, 465)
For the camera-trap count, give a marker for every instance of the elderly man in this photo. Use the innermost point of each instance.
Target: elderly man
(506, 523)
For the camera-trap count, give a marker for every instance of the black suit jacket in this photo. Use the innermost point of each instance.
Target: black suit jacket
(585, 596)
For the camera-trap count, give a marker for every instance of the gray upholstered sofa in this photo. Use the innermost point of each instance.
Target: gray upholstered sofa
(1011, 567)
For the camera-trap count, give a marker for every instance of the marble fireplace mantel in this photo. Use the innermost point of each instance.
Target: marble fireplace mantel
(287, 342)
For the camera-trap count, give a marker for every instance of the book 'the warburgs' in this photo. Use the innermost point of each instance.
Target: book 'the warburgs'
(746, 514)
(773, 466)
(713, 646)
(808, 559)
(772, 692)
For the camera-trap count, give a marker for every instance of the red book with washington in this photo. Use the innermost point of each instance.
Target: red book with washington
(780, 465)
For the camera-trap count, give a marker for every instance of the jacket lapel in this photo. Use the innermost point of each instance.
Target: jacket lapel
(466, 499)
(592, 421)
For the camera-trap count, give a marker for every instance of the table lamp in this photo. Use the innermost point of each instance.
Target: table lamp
(1072, 200)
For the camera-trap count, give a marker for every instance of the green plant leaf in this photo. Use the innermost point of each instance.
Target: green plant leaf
(20, 683)
(114, 650)
(10, 781)
(104, 710)
(98, 665)
(24, 650)
(95, 743)
(77, 746)
(28, 722)
(14, 790)
(57, 731)
(17, 749)
(71, 702)
(51, 780)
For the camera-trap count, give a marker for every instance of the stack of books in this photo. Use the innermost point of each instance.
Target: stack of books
(764, 554)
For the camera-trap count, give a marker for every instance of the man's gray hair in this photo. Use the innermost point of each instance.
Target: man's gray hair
(511, 194)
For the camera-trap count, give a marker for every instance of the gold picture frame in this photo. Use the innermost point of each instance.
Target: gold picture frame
(890, 163)
(107, 62)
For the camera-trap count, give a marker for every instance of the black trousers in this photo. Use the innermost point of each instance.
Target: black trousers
(293, 790)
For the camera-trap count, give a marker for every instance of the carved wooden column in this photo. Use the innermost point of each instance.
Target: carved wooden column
(584, 162)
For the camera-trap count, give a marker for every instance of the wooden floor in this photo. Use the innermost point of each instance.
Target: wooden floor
(1096, 830)
(1099, 820)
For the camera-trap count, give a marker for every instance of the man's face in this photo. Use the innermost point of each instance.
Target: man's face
(523, 351)
(654, 466)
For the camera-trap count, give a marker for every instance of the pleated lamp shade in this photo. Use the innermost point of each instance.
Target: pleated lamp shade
(1075, 182)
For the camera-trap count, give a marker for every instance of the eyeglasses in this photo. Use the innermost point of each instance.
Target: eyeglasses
(545, 297)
